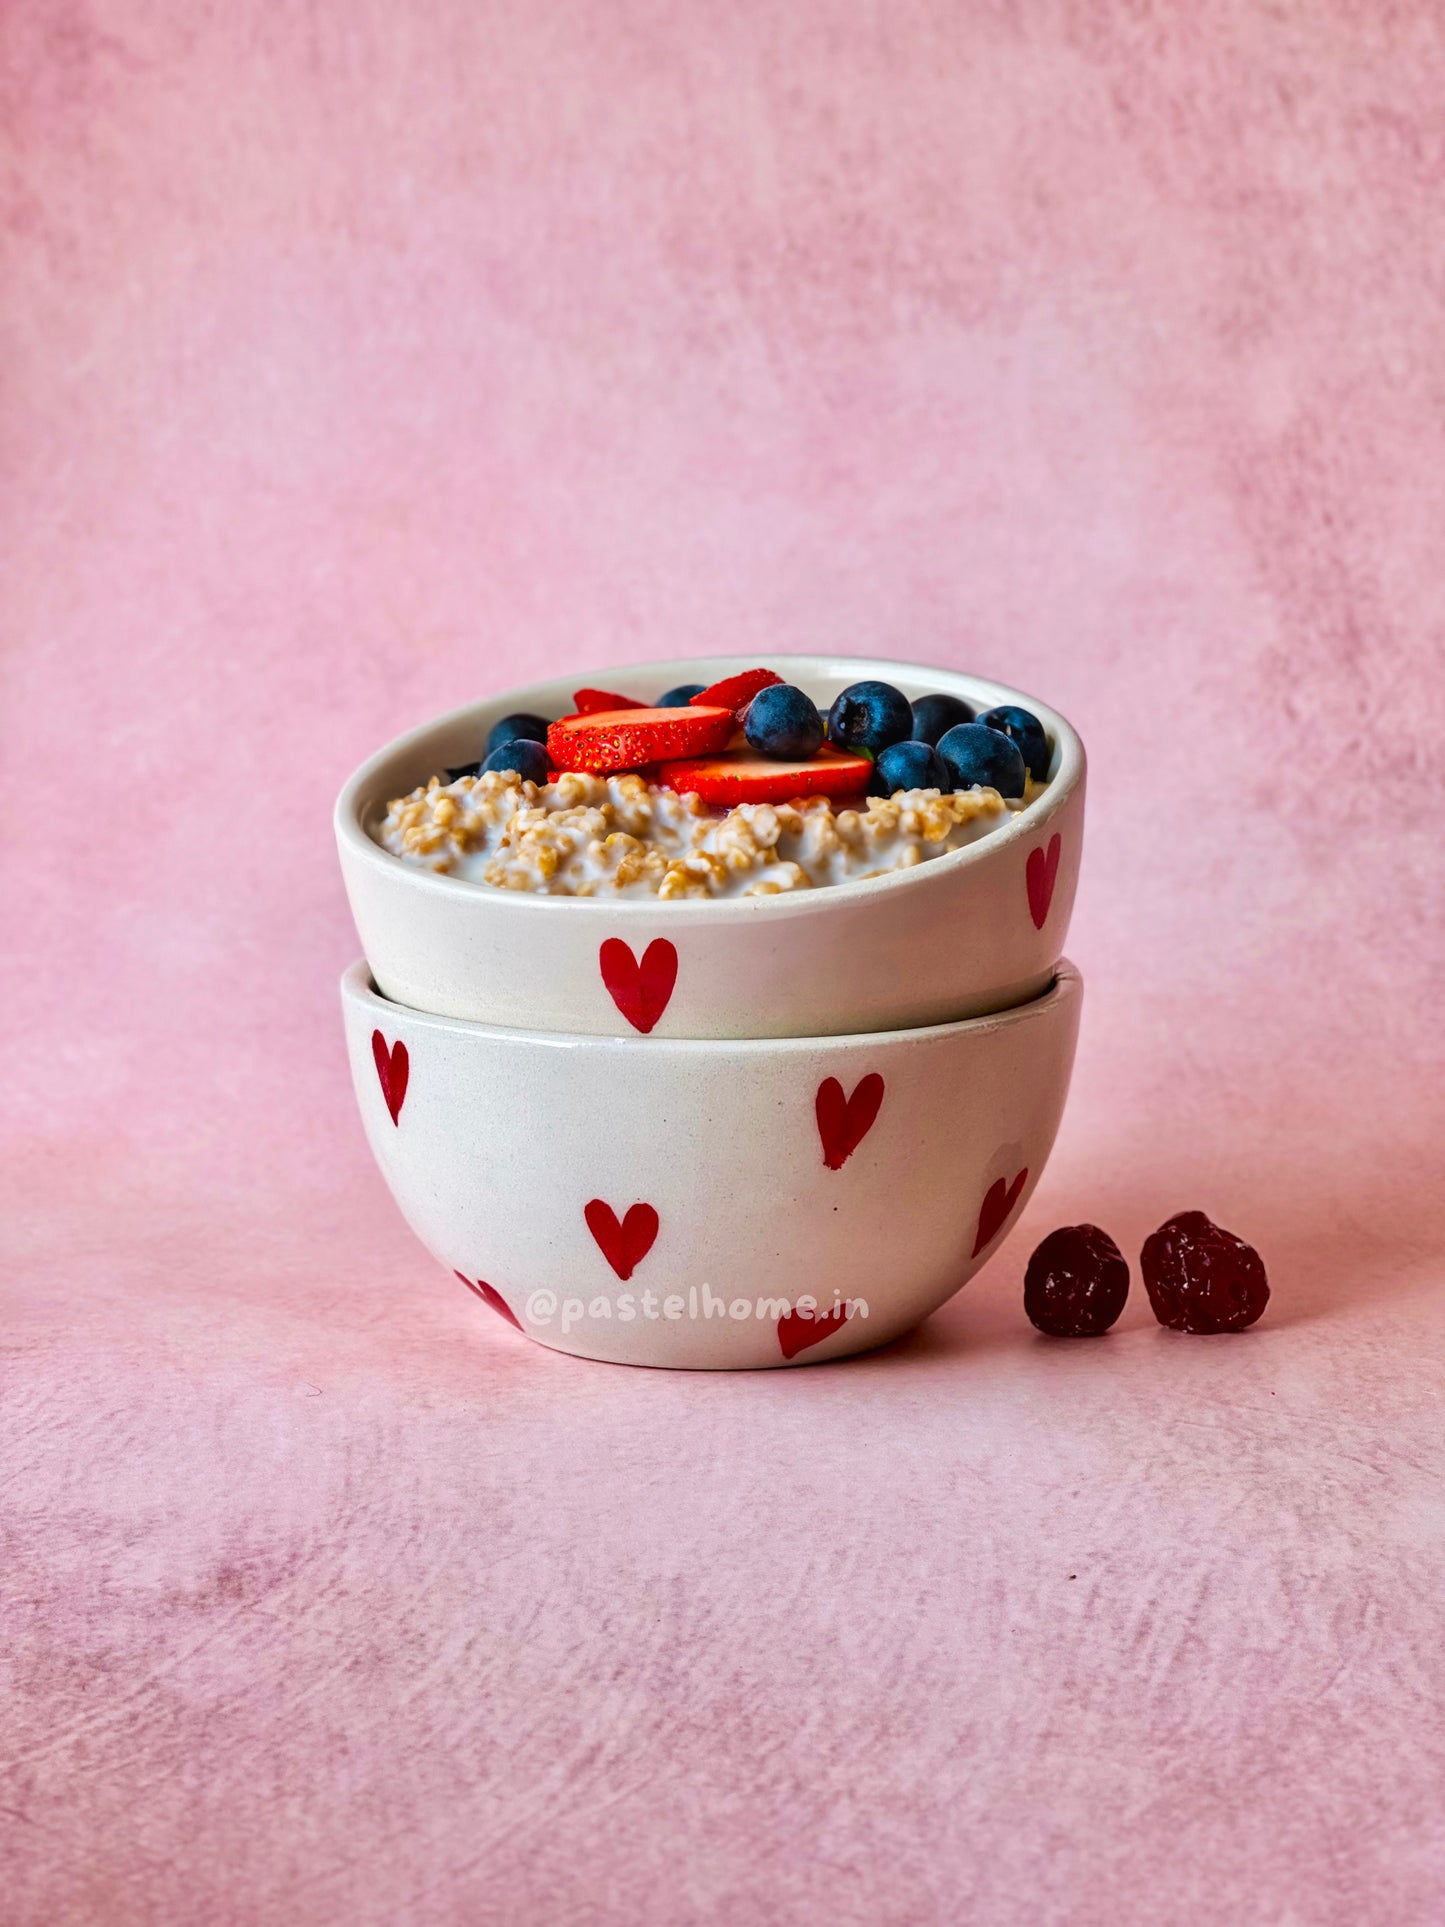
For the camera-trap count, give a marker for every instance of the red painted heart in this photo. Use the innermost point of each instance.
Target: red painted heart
(393, 1067)
(640, 990)
(489, 1295)
(798, 1331)
(626, 1243)
(1040, 873)
(844, 1122)
(999, 1201)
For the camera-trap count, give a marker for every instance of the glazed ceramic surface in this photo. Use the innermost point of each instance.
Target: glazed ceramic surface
(975, 931)
(714, 1204)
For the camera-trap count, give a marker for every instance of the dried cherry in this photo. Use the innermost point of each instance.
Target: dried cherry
(1201, 1278)
(1076, 1282)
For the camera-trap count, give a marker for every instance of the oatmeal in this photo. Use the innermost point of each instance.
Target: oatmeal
(585, 835)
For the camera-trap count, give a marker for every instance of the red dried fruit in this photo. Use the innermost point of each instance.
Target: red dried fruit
(1201, 1278)
(618, 739)
(736, 692)
(589, 702)
(1076, 1282)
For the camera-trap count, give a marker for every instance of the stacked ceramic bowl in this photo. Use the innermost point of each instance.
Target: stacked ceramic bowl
(717, 1132)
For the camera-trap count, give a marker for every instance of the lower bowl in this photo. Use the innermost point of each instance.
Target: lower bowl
(701, 1203)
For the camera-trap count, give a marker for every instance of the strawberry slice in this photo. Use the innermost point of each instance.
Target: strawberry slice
(736, 692)
(591, 702)
(738, 776)
(616, 739)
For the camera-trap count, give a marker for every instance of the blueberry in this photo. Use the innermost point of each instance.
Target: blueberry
(870, 715)
(680, 697)
(909, 766)
(783, 722)
(530, 760)
(975, 755)
(1028, 732)
(933, 716)
(511, 728)
(462, 769)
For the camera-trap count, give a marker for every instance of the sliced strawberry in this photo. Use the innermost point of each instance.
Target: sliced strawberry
(591, 702)
(738, 776)
(616, 739)
(648, 771)
(736, 692)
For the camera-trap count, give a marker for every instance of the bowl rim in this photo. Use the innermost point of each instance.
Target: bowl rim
(356, 800)
(358, 987)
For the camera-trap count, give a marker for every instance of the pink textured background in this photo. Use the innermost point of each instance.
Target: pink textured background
(358, 360)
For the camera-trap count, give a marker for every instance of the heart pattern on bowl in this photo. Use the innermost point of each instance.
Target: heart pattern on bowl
(999, 1200)
(1040, 873)
(624, 1242)
(641, 991)
(844, 1122)
(489, 1295)
(797, 1332)
(393, 1068)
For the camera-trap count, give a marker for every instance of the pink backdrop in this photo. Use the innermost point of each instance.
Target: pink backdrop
(360, 360)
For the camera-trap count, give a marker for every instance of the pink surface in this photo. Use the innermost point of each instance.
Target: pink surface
(361, 360)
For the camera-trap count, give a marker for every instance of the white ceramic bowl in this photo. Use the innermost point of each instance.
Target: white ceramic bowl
(671, 1202)
(957, 936)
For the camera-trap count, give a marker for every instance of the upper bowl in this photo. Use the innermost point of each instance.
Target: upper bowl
(977, 930)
